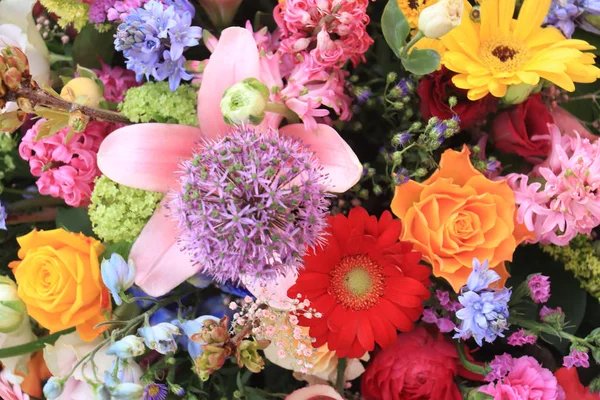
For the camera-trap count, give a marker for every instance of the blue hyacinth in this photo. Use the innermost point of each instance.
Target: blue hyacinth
(567, 14)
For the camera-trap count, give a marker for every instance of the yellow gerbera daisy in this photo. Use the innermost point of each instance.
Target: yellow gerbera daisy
(499, 51)
(412, 8)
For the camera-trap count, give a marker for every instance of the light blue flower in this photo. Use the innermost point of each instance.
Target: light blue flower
(481, 277)
(127, 391)
(127, 370)
(160, 337)
(118, 275)
(53, 388)
(3, 216)
(192, 327)
(128, 347)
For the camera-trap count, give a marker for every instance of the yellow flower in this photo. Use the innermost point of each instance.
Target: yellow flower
(59, 281)
(434, 44)
(499, 51)
(412, 8)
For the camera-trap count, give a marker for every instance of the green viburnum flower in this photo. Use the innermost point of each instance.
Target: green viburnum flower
(68, 11)
(154, 101)
(7, 164)
(119, 213)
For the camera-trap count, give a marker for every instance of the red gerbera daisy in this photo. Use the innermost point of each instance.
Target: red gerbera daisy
(364, 282)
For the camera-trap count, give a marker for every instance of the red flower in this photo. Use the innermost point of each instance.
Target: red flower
(523, 129)
(364, 282)
(434, 91)
(418, 366)
(568, 379)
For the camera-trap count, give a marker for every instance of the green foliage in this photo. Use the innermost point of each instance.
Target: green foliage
(155, 102)
(74, 220)
(121, 248)
(119, 213)
(394, 26)
(421, 62)
(90, 45)
(7, 162)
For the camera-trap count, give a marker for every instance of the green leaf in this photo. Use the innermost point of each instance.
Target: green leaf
(422, 62)
(74, 220)
(122, 248)
(90, 44)
(394, 26)
(34, 346)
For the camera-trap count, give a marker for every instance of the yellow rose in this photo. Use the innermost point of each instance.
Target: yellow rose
(59, 281)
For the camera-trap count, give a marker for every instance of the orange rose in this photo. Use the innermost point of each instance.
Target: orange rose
(59, 281)
(457, 215)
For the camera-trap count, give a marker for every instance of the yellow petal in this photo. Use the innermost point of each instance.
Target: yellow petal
(489, 19)
(542, 37)
(531, 16)
(560, 79)
(506, 10)
(530, 78)
(477, 93)
(496, 88)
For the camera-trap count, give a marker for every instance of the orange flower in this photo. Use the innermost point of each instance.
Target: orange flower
(59, 281)
(457, 215)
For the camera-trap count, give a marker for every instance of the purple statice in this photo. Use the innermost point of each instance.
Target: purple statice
(444, 324)
(484, 315)
(567, 14)
(155, 391)
(554, 316)
(521, 338)
(501, 366)
(539, 288)
(154, 37)
(445, 301)
(577, 358)
(251, 204)
(2, 216)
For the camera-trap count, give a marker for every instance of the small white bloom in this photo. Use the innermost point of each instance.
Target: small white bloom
(437, 20)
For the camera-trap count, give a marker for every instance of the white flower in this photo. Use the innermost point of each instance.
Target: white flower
(20, 336)
(437, 20)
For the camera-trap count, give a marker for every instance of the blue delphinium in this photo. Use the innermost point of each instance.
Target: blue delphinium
(484, 315)
(2, 217)
(118, 275)
(153, 39)
(567, 14)
(160, 337)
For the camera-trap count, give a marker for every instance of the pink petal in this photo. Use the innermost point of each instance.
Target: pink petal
(144, 156)
(235, 58)
(160, 265)
(568, 124)
(336, 157)
(315, 392)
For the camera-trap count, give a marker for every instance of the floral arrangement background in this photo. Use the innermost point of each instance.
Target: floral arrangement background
(299, 199)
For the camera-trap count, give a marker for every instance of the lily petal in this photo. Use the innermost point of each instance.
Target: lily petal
(159, 263)
(336, 157)
(569, 124)
(145, 156)
(235, 58)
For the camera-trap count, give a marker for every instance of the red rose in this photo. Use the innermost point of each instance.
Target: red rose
(434, 91)
(568, 379)
(418, 365)
(523, 129)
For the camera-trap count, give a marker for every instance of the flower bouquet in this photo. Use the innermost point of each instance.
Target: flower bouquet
(299, 199)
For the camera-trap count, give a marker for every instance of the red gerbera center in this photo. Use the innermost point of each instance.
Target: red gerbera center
(357, 282)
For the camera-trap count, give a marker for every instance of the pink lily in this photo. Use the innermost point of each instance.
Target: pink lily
(146, 156)
(569, 124)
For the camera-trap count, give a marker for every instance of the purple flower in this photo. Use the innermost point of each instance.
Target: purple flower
(521, 338)
(363, 95)
(183, 35)
(98, 10)
(444, 324)
(481, 277)
(3, 216)
(553, 316)
(501, 366)
(173, 69)
(252, 203)
(155, 391)
(401, 176)
(576, 359)
(539, 288)
(406, 87)
(566, 14)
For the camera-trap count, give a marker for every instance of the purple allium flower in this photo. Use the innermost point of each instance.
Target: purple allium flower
(539, 288)
(577, 359)
(501, 366)
(251, 204)
(3, 216)
(521, 338)
(155, 391)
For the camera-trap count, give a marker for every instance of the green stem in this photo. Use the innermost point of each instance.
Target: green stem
(36, 203)
(537, 328)
(341, 370)
(420, 35)
(470, 366)
(34, 346)
(281, 109)
(54, 58)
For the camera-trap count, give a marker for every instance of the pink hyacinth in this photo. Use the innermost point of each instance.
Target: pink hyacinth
(577, 359)
(9, 388)
(526, 380)
(568, 203)
(117, 81)
(521, 338)
(539, 288)
(332, 32)
(65, 169)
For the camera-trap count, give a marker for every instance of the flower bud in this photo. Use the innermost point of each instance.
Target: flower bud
(12, 78)
(78, 121)
(127, 391)
(16, 58)
(517, 94)
(212, 359)
(53, 388)
(437, 20)
(128, 347)
(160, 337)
(245, 102)
(12, 308)
(25, 105)
(220, 12)
(101, 393)
(248, 356)
(391, 77)
(84, 91)
(117, 275)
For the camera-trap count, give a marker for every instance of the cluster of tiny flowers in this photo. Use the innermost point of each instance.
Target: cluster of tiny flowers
(332, 32)
(116, 81)
(521, 338)
(484, 315)
(153, 39)
(250, 204)
(280, 327)
(568, 203)
(539, 288)
(566, 14)
(577, 358)
(66, 169)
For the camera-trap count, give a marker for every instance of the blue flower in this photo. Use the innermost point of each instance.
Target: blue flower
(183, 35)
(160, 337)
(192, 327)
(173, 69)
(127, 391)
(53, 388)
(2, 217)
(481, 277)
(128, 347)
(127, 371)
(155, 391)
(117, 275)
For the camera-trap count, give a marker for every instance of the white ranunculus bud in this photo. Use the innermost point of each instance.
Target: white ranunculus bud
(245, 102)
(12, 308)
(437, 20)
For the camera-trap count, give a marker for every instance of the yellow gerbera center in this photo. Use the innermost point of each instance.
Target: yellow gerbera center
(357, 282)
(504, 54)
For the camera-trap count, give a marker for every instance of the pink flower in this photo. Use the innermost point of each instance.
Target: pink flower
(322, 392)
(65, 169)
(539, 288)
(501, 366)
(121, 9)
(145, 156)
(526, 380)
(577, 359)
(116, 81)
(10, 388)
(521, 338)
(444, 324)
(548, 314)
(445, 301)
